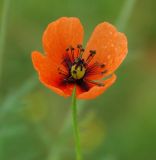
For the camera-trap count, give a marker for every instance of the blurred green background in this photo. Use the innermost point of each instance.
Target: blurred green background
(35, 123)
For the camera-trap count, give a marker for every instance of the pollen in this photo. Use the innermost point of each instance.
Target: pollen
(78, 71)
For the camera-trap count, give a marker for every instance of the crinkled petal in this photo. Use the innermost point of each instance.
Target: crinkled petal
(110, 46)
(49, 76)
(61, 34)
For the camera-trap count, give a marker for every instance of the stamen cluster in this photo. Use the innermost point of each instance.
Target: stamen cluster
(78, 68)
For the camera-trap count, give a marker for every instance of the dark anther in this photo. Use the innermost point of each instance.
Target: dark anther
(79, 46)
(103, 72)
(82, 49)
(93, 52)
(91, 55)
(99, 65)
(102, 65)
(67, 49)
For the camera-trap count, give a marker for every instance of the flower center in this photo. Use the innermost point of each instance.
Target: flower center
(78, 70)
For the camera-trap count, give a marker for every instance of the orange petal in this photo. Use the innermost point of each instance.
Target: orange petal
(43, 65)
(48, 74)
(61, 34)
(110, 46)
(97, 90)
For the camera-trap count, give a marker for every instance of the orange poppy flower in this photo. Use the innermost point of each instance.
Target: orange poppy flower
(67, 64)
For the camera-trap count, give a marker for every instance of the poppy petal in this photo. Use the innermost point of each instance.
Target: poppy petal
(97, 90)
(48, 75)
(61, 34)
(110, 46)
(43, 65)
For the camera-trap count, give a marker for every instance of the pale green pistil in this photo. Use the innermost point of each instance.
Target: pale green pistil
(78, 72)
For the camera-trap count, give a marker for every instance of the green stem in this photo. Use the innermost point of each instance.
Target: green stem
(75, 126)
